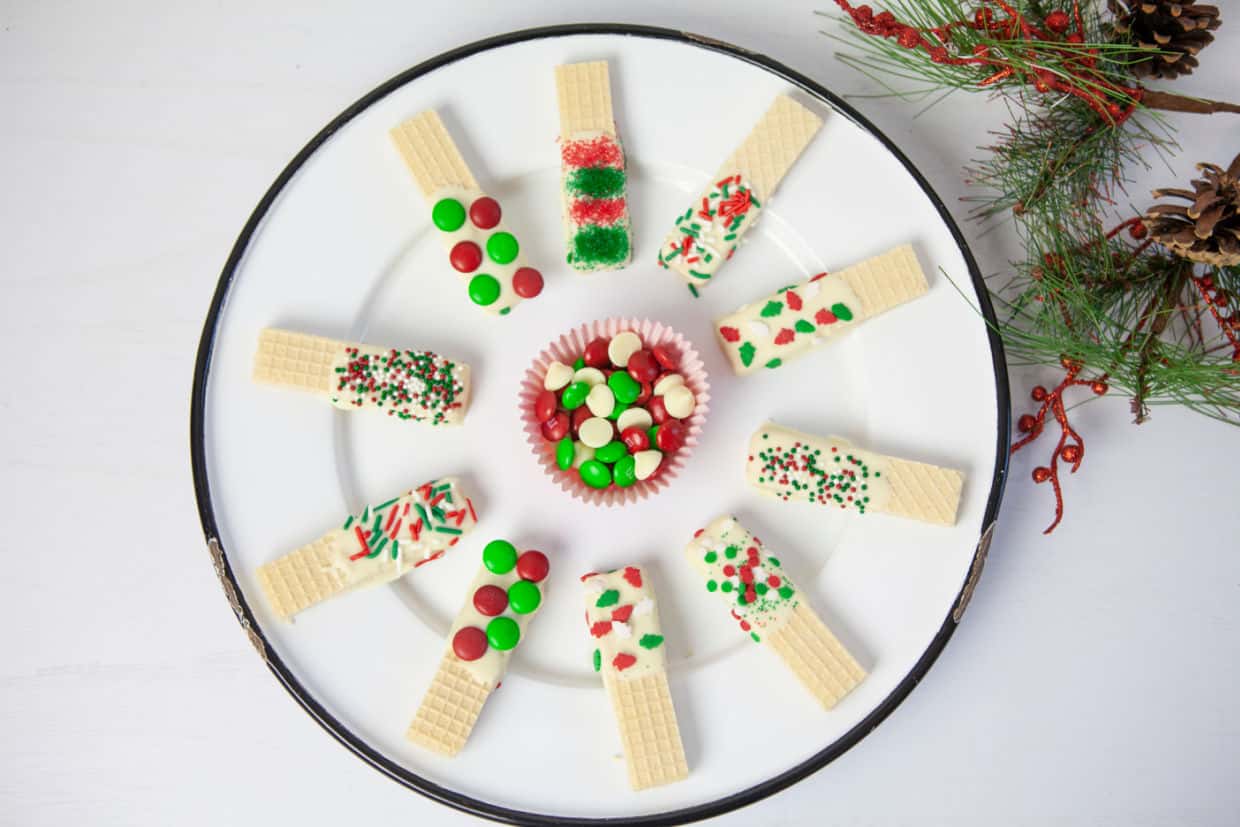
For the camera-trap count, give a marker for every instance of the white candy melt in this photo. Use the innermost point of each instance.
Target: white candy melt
(601, 400)
(581, 453)
(668, 382)
(634, 417)
(622, 346)
(647, 462)
(558, 376)
(595, 432)
(679, 402)
(591, 376)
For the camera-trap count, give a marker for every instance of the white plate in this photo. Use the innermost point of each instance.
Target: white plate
(342, 246)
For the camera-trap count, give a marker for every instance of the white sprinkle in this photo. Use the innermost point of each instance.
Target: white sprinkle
(644, 607)
(621, 629)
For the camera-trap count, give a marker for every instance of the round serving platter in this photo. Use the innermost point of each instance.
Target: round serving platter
(342, 246)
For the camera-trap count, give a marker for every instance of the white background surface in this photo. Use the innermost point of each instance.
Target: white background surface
(1093, 681)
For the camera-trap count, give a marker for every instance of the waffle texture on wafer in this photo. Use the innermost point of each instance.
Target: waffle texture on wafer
(800, 467)
(376, 546)
(771, 610)
(623, 621)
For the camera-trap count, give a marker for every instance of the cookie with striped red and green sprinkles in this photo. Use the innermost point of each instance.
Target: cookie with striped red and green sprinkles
(596, 211)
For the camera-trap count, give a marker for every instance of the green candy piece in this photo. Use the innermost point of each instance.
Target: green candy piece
(711, 585)
(625, 387)
(617, 409)
(524, 597)
(650, 641)
(727, 585)
(499, 556)
(803, 326)
(710, 557)
(842, 312)
(483, 289)
(503, 633)
(652, 432)
(625, 472)
(595, 474)
(574, 395)
(730, 552)
(611, 452)
(502, 247)
(564, 453)
(448, 214)
(772, 308)
(747, 352)
(608, 598)
(598, 660)
(579, 363)
(785, 592)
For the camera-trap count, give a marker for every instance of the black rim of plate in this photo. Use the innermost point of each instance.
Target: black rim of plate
(339, 731)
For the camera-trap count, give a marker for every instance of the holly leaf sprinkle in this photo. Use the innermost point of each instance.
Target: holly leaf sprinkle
(794, 301)
(651, 641)
(842, 312)
(729, 334)
(623, 661)
(805, 326)
(608, 598)
(772, 308)
(598, 660)
(633, 576)
(747, 351)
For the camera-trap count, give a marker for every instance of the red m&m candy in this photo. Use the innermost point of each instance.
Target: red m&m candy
(556, 428)
(665, 357)
(657, 410)
(642, 366)
(491, 600)
(545, 405)
(647, 391)
(465, 256)
(484, 212)
(527, 282)
(580, 415)
(671, 436)
(635, 439)
(470, 643)
(533, 566)
(596, 353)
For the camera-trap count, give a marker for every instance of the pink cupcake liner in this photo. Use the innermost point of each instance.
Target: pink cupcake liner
(566, 349)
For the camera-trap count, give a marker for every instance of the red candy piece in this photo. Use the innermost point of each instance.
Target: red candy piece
(825, 316)
(580, 415)
(642, 366)
(633, 576)
(533, 566)
(465, 256)
(671, 436)
(491, 600)
(470, 643)
(746, 574)
(556, 428)
(730, 334)
(665, 356)
(729, 570)
(622, 614)
(596, 353)
(657, 410)
(623, 661)
(635, 439)
(773, 581)
(784, 336)
(484, 212)
(601, 628)
(527, 282)
(545, 406)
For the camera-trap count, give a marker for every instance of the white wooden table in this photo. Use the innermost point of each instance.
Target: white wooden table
(1094, 680)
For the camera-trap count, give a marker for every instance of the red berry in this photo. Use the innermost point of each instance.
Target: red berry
(1138, 230)
(1026, 423)
(556, 428)
(1071, 453)
(635, 439)
(484, 212)
(1058, 22)
(658, 412)
(470, 643)
(596, 353)
(527, 282)
(1038, 393)
(465, 256)
(533, 566)
(580, 415)
(642, 366)
(1041, 474)
(545, 406)
(644, 395)
(665, 356)
(670, 436)
(491, 600)
(1099, 388)
(1075, 38)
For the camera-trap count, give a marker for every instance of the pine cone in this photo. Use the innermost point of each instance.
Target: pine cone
(1208, 229)
(1173, 32)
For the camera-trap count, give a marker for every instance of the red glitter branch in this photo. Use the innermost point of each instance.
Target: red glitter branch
(1071, 447)
(1216, 300)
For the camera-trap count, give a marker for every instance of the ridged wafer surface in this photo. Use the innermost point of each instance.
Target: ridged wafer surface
(302, 578)
(648, 731)
(819, 660)
(886, 280)
(924, 492)
(431, 155)
(449, 710)
(773, 145)
(295, 360)
(583, 91)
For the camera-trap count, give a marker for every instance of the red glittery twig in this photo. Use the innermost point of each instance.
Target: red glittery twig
(1214, 297)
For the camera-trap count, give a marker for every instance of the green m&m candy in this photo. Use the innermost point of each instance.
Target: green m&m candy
(620, 408)
(595, 474)
(625, 387)
(503, 633)
(564, 452)
(625, 472)
(483, 289)
(523, 597)
(448, 214)
(574, 395)
(579, 363)
(502, 247)
(610, 452)
(499, 556)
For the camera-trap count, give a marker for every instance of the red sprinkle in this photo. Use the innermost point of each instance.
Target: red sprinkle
(601, 628)
(623, 661)
(601, 211)
(601, 151)
(622, 614)
(784, 336)
(730, 334)
(633, 576)
(469, 643)
(825, 316)
(794, 301)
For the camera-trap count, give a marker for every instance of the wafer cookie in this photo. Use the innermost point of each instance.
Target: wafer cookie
(796, 466)
(770, 608)
(709, 231)
(623, 620)
(480, 246)
(376, 546)
(503, 597)
(796, 319)
(414, 385)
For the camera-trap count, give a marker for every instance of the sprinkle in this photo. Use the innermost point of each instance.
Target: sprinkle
(608, 598)
(650, 641)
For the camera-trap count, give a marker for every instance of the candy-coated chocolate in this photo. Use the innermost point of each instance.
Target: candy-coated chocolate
(595, 474)
(622, 346)
(642, 366)
(596, 432)
(564, 453)
(657, 410)
(671, 436)
(618, 410)
(643, 396)
(465, 256)
(580, 415)
(483, 289)
(596, 353)
(545, 405)
(665, 356)
(679, 402)
(574, 396)
(646, 463)
(490, 600)
(624, 386)
(533, 566)
(503, 633)
(524, 597)
(624, 473)
(470, 642)
(558, 376)
(653, 433)
(579, 363)
(527, 282)
(639, 417)
(666, 382)
(502, 247)
(610, 452)
(448, 214)
(484, 212)
(591, 376)
(556, 428)
(499, 556)
(601, 401)
(635, 439)
(582, 453)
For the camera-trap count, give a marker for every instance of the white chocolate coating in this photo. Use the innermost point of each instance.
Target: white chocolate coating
(626, 625)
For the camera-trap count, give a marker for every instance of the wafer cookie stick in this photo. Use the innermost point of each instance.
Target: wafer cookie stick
(498, 607)
(794, 320)
(624, 622)
(801, 467)
(480, 246)
(771, 610)
(414, 385)
(376, 546)
(592, 170)
(709, 231)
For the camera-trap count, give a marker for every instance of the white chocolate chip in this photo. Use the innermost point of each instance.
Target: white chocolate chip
(591, 376)
(595, 432)
(558, 376)
(621, 629)
(647, 463)
(679, 402)
(623, 346)
(634, 417)
(667, 382)
(601, 400)
(581, 453)
(758, 329)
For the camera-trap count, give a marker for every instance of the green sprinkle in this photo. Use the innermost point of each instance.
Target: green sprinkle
(608, 598)
(699, 275)
(349, 521)
(650, 641)
(693, 290)
(774, 363)
(596, 182)
(772, 308)
(772, 561)
(804, 326)
(730, 552)
(842, 312)
(755, 637)
(711, 585)
(382, 506)
(711, 557)
(595, 246)
(598, 660)
(443, 529)
(747, 352)
(785, 592)
(727, 585)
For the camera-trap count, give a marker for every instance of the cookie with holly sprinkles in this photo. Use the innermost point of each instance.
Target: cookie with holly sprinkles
(794, 320)
(598, 232)
(623, 622)
(506, 593)
(413, 385)
(708, 233)
(480, 245)
(798, 467)
(737, 568)
(376, 546)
